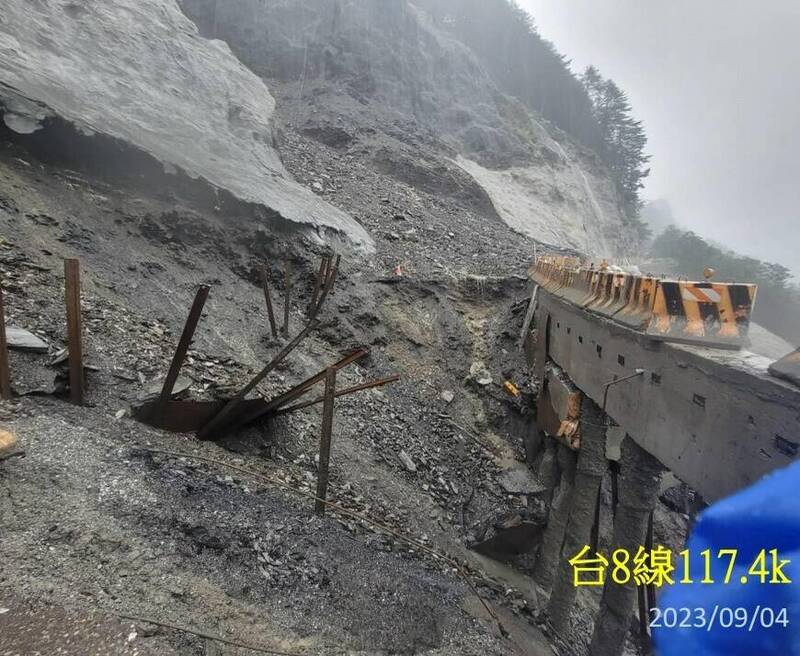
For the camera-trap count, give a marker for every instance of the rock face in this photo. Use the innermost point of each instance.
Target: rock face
(561, 205)
(137, 70)
(366, 70)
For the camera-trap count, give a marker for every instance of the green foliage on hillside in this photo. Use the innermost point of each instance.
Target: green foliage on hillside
(778, 300)
(624, 138)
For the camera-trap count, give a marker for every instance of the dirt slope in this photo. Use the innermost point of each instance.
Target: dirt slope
(92, 523)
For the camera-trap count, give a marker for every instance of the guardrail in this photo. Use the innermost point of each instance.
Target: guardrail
(705, 313)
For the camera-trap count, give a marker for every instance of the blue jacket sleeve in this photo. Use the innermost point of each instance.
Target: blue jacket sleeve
(765, 516)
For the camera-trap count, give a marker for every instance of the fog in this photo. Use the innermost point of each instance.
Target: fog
(716, 84)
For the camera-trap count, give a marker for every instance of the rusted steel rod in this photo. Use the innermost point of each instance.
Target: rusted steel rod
(299, 390)
(345, 392)
(220, 418)
(318, 284)
(328, 266)
(184, 343)
(72, 297)
(268, 298)
(287, 286)
(325, 441)
(335, 272)
(5, 371)
(305, 386)
(329, 281)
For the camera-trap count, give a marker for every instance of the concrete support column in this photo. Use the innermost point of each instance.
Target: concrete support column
(639, 480)
(557, 458)
(589, 474)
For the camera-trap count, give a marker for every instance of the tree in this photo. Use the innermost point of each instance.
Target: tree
(623, 137)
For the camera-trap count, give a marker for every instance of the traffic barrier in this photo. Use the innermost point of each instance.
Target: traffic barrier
(615, 302)
(578, 286)
(603, 291)
(591, 288)
(563, 281)
(560, 283)
(553, 278)
(539, 273)
(788, 367)
(716, 314)
(630, 295)
(639, 310)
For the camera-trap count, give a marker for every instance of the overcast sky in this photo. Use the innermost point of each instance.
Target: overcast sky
(717, 84)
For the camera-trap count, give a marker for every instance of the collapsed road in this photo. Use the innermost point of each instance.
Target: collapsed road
(274, 380)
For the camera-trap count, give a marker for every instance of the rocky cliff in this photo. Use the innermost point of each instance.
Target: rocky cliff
(138, 71)
(374, 75)
(366, 70)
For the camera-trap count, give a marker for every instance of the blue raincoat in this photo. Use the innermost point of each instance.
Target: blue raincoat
(765, 516)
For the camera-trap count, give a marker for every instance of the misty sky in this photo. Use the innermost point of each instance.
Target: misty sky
(717, 84)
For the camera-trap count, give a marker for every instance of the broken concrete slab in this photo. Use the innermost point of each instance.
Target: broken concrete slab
(25, 340)
(31, 374)
(448, 396)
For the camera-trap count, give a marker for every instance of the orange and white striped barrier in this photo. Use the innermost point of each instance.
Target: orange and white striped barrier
(717, 314)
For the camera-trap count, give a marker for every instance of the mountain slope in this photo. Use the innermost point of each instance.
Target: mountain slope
(139, 72)
(384, 68)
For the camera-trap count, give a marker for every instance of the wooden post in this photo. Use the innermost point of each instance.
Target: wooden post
(5, 372)
(268, 299)
(297, 391)
(72, 292)
(287, 299)
(325, 440)
(183, 345)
